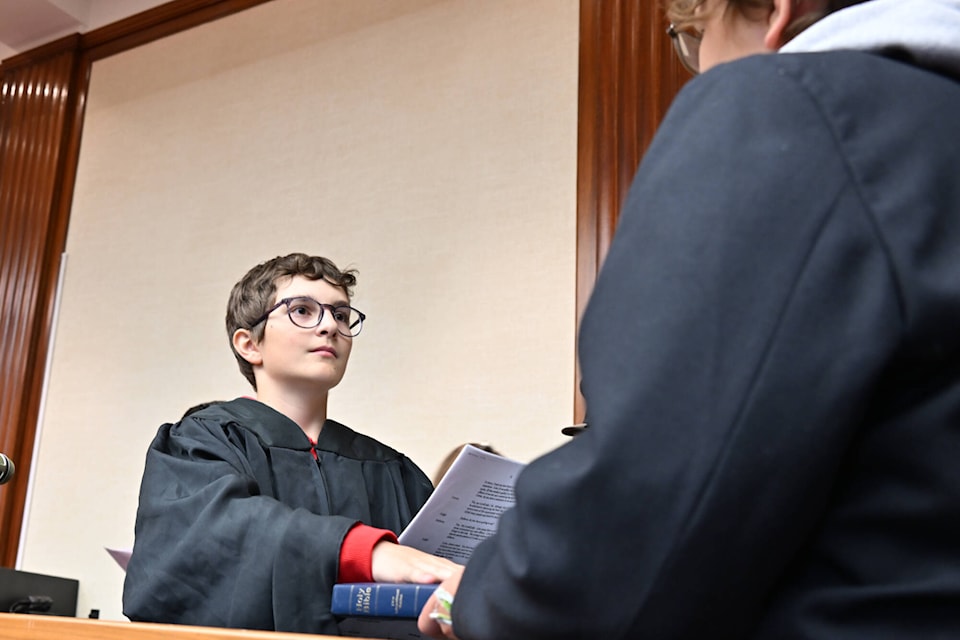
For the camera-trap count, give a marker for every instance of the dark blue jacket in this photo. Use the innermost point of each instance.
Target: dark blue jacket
(771, 360)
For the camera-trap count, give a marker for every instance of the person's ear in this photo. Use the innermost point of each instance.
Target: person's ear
(782, 15)
(247, 347)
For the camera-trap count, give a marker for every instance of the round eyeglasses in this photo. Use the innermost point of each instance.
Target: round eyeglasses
(687, 46)
(307, 313)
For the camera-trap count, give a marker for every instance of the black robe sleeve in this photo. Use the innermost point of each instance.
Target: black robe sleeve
(770, 362)
(239, 526)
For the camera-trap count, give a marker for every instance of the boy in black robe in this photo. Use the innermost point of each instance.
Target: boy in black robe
(251, 510)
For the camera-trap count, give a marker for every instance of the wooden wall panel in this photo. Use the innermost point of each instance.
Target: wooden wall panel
(36, 101)
(628, 78)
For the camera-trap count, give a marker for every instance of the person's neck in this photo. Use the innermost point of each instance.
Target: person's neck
(308, 409)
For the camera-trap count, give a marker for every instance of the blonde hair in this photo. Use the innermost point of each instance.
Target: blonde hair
(683, 13)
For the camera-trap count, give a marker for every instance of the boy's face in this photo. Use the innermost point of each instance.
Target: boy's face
(309, 358)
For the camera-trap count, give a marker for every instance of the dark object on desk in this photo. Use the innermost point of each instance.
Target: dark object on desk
(379, 609)
(32, 604)
(24, 592)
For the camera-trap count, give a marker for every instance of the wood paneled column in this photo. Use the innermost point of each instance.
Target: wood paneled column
(628, 78)
(37, 109)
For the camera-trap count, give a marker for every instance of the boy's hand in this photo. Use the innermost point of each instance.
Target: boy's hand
(391, 562)
(436, 626)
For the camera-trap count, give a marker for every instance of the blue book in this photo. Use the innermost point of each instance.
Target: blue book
(380, 599)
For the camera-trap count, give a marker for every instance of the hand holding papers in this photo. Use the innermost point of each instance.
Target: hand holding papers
(463, 510)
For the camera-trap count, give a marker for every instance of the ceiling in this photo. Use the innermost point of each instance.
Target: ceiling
(25, 24)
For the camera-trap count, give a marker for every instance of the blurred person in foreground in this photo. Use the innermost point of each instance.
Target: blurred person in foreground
(771, 355)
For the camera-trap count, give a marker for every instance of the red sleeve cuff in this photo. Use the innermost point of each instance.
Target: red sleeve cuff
(357, 550)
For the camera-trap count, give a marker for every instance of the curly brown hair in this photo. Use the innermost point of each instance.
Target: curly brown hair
(254, 293)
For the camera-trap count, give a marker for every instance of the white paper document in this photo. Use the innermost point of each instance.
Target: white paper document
(465, 507)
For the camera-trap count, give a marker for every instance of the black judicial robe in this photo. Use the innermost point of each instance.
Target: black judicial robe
(238, 526)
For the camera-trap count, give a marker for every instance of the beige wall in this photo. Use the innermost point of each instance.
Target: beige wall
(431, 144)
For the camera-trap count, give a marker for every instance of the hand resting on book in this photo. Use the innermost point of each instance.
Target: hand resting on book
(393, 562)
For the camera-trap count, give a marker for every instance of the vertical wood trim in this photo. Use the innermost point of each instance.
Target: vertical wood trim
(36, 101)
(628, 77)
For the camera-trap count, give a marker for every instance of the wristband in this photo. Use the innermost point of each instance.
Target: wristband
(441, 612)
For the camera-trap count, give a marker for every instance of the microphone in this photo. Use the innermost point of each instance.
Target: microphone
(6, 469)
